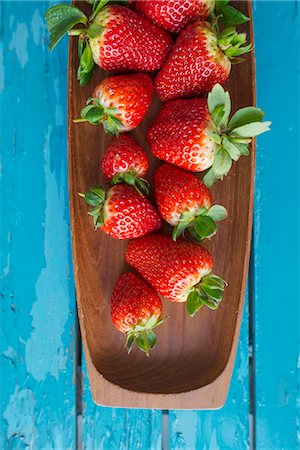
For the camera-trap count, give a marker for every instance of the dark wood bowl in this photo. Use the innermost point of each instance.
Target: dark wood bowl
(192, 364)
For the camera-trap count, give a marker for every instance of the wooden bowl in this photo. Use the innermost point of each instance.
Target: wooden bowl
(192, 364)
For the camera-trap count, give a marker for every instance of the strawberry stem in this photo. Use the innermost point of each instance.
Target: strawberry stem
(80, 120)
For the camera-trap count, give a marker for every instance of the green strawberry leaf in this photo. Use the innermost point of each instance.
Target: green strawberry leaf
(160, 321)
(251, 129)
(210, 303)
(231, 148)
(205, 227)
(129, 178)
(233, 43)
(112, 125)
(86, 66)
(218, 114)
(230, 15)
(194, 302)
(208, 292)
(94, 30)
(142, 185)
(214, 294)
(61, 19)
(129, 342)
(239, 50)
(217, 213)
(97, 6)
(214, 136)
(142, 343)
(243, 149)
(184, 221)
(213, 281)
(244, 116)
(179, 229)
(222, 162)
(146, 340)
(210, 178)
(222, 3)
(218, 97)
(92, 114)
(97, 215)
(81, 46)
(95, 196)
(132, 179)
(194, 233)
(151, 338)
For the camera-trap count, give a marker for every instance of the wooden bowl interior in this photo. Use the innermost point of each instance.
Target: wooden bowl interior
(191, 353)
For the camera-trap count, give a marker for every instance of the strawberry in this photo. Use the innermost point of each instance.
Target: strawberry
(125, 161)
(174, 15)
(185, 202)
(180, 271)
(119, 103)
(200, 58)
(121, 212)
(114, 37)
(196, 134)
(135, 310)
(129, 41)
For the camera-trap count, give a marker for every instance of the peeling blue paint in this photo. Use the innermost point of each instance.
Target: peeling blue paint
(19, 43)
(277, 333)
(227, 428)
(19, 415)
(51, 306)
(37, 312)
(37, 402)
(118, 428)
(37, 27)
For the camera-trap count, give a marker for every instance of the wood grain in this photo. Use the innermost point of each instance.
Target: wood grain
(192, 364)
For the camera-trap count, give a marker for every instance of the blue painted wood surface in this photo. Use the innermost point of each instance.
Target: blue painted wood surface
(276, 228)
(38, 324)
(227, 428)
(118, 428)
(37, 291)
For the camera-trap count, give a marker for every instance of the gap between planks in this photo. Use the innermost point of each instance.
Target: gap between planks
(251, 351)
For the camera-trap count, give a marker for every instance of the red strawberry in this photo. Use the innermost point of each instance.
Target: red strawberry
(185, 202)
(174, 15)
(135, 310)
(196, 134)
(180, 271)
(125, 161)
(121, 212)
(199, 59)
(114, 37)
(119, 103)
(129, 41)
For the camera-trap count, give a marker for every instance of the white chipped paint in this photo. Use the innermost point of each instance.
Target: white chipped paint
(18, 43)
(45, 351)
(19, 415)
(188, 425)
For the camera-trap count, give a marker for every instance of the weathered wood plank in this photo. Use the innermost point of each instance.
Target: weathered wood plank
(276, 227)
(118, 428)
(37, 297)
(227, 428)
